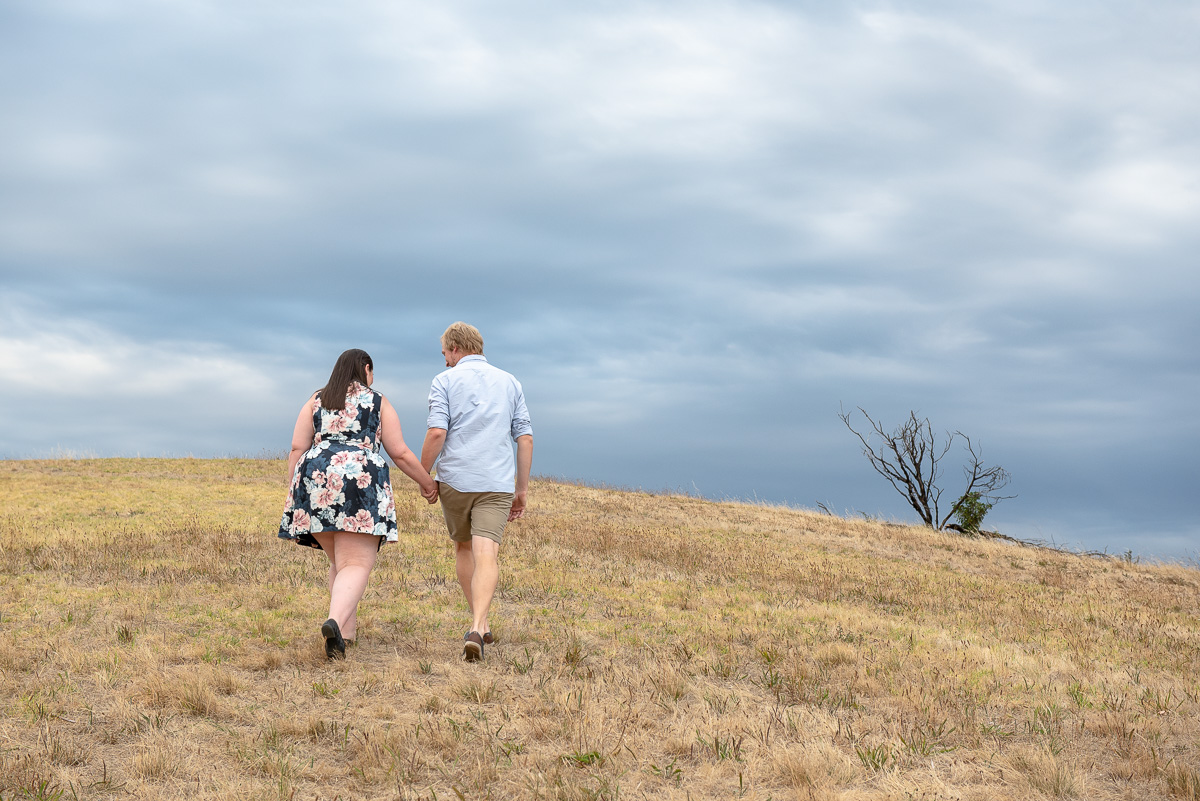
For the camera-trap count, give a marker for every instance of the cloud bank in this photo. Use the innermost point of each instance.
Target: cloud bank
(694, 231)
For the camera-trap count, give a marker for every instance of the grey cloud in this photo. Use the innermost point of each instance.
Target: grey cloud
(692, 236)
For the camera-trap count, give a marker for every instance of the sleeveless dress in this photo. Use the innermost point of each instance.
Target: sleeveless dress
(341, 483)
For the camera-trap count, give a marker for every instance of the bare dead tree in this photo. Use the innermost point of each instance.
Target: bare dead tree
(910, 459)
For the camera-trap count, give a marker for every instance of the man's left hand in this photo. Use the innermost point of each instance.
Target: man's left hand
(518, 506)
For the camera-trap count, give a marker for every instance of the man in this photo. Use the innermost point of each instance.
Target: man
(476, 411)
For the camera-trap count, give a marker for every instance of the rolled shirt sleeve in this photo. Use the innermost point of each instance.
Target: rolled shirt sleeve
(439, 403)
(520, 421)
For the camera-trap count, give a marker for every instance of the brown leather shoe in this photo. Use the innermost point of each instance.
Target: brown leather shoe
(473, 647)
(487, 637)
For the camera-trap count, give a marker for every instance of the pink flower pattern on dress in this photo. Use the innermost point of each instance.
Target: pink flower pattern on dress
(325, 497)
(362, 522)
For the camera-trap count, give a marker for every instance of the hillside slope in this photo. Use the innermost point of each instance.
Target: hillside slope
(161, 642)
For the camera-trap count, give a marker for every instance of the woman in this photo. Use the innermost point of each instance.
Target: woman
(341, 498)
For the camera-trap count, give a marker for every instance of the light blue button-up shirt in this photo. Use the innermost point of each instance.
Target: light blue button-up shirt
(482, 409)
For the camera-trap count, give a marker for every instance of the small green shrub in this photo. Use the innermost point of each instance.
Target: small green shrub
(972, 508)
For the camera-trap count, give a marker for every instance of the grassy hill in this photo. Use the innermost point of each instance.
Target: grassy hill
(160, 642)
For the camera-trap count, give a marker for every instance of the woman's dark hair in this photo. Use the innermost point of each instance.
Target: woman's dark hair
(351, 366)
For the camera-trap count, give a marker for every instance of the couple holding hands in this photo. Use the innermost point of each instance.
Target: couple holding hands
(341, 502)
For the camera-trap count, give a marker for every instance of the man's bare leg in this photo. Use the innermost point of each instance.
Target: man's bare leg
(464, 566)
(485, 554)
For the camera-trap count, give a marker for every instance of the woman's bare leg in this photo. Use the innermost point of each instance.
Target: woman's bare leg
(353, 622)
(352, 556)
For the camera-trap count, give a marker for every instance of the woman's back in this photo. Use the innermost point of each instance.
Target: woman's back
(356, 424)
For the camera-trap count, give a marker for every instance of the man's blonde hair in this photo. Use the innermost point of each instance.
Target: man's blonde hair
(463, 336)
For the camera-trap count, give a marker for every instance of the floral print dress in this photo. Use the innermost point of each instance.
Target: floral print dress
(341, 483)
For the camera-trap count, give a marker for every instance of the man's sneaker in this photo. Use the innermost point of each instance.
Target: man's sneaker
(473, 647)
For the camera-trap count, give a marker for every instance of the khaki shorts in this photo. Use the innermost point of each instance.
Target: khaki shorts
(474, 514)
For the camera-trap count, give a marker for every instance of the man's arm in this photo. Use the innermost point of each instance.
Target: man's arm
(437, 423)
(524, 463)
(435, 438)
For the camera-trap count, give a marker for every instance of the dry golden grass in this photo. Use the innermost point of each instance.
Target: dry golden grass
(160, 642)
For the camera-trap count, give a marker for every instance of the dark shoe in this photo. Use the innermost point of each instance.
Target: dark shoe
(335, 646)
(473, 647)
(487, 637)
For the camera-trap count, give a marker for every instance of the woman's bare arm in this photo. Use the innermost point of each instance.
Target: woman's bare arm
(302, 437)
(405, 459)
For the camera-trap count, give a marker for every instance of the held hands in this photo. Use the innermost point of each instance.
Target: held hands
(518, 507)
(430, 493)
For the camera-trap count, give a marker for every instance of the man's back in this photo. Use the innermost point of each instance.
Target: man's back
(482, 409)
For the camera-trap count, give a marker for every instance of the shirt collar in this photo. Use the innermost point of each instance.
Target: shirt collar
(473, 357)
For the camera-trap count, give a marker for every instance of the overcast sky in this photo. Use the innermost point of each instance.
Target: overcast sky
(694, 230)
